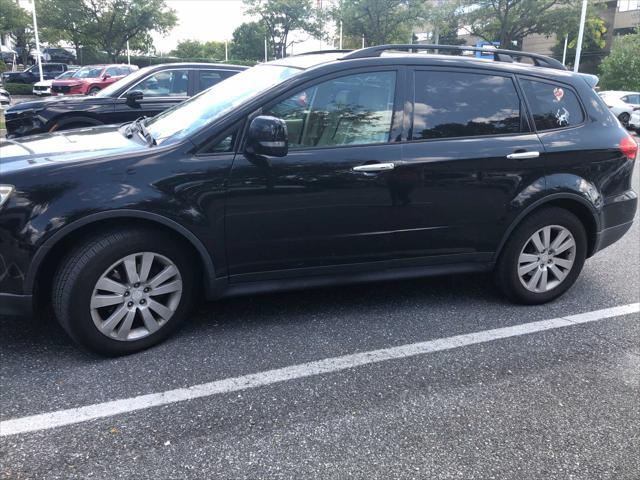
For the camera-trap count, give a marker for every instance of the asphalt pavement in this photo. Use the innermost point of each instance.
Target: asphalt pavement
(560, 402)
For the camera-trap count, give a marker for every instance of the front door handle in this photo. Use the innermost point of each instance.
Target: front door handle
(374, 167)
(523, 155)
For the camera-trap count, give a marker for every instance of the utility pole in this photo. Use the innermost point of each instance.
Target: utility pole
(128, 54)
(583, 17)
(266, 59)
(35, 29)
(226, 51)
(340, 34)
(362, 41)
(564, 53)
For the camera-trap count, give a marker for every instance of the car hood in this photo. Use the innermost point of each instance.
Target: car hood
(67, 146)
(44, 83)
(53, 101)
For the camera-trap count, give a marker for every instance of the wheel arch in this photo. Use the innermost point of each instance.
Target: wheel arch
(572, 202)
(48, 255)
(66, 119)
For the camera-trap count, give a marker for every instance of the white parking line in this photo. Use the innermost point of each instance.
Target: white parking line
(107, 409)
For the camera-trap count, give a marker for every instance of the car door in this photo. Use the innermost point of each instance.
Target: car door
(326, 205)
(470, 154)
(161, 90)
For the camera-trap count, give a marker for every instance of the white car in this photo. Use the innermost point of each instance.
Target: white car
(634, 121)
(622, 104)
(5, 98)
(44, 87)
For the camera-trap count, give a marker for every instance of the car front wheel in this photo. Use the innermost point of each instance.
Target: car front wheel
(123, 291)
(624, 118)
(543, 257)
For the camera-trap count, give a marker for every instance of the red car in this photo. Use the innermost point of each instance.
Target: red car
(90, 79)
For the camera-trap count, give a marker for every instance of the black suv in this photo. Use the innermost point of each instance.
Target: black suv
(32, 74)
(316, 170)
(146, 92)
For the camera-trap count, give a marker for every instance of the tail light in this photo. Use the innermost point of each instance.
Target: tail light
(629, 147)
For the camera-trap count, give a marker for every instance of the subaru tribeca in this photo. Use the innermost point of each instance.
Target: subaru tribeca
(313, 170)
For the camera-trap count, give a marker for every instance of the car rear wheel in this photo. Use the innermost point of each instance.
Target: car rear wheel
(543, 257)
(624, 118)
(123, 291)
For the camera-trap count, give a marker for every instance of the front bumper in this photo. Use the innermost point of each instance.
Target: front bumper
(634, 121)
(23, 123)
(18, 305)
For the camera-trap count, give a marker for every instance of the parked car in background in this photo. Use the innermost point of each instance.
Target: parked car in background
(144, 93)
(55, 54)
(5, 98)
(634, 121)
(90, 79)
(315, 170)
(622, 104)
(43, 88)
(32, 74)
(7, 55)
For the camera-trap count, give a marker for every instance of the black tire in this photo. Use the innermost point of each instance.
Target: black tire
(506, 271)
(93, 90)
(75, 279)
(624, 118)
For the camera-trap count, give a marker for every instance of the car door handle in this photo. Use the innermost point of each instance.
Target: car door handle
(374, 167)
(523, 155)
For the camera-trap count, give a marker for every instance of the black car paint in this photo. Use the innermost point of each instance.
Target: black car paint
(59, 112)
(261, 224)
(33, 75)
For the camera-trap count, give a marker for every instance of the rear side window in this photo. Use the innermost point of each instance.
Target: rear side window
(552, 105)
(208, 78)
(458, 104)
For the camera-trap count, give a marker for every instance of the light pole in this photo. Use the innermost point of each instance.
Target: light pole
(35, 29)
(583, 17)
(564, 52)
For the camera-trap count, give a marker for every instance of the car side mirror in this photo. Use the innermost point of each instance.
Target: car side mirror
(267, 136)
(105, 76)
(134, 97)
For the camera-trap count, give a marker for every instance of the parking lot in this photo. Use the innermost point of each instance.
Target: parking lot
(522, 399)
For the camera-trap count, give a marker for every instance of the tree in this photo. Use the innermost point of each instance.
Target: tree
(509, 21)
(188, 49)
(593, 43)
(281, 17)
(621, 69)
(248, 42)
(379, 21)
(106, 24)
(13, 17)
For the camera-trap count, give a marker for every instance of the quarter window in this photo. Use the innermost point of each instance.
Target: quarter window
(552, 105)
(457, 104)
(169, 83)
(351, 110)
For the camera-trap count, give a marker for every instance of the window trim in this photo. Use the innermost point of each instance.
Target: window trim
(524, 107)
(398, 99)
(237, 126)
(551, 82)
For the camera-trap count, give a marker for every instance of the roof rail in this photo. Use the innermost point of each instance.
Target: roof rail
(499, 55)
(318, 52)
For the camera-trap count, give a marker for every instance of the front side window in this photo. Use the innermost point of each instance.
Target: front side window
(170, 83)
(89, 72)
(633, 98)
(459, 104)
(552, 105)
(351, 110)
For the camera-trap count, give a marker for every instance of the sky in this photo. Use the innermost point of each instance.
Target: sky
(206, 20)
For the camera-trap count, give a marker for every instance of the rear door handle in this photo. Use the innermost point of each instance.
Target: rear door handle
(374, 167)
(523, 155)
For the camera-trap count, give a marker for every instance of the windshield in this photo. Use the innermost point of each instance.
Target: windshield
(88, 72)
(67, 74)
(208, 106)
(115, 86)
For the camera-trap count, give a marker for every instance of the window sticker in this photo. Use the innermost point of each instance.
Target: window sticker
(562, 116)
(558, 93)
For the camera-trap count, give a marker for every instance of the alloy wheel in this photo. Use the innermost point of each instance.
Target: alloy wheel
(136, 296)
(546, 258)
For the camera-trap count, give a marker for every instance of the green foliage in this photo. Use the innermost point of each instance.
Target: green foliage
(380, 21)
(621, 69)
(281, 17)
(12, 17)
(509, 21)
(248, 42)
(592, 45)
(195, 49)
(3, 66)
(18, 88)
(105, 25)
